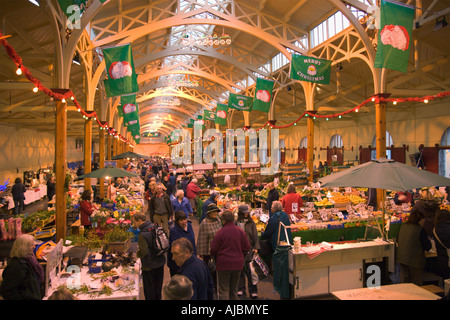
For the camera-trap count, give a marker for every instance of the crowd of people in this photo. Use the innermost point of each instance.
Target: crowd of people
(215, 263)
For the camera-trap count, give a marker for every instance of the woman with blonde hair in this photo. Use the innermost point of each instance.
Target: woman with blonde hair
(23, 276)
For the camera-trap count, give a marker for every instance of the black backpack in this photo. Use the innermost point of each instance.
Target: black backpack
(160, 243)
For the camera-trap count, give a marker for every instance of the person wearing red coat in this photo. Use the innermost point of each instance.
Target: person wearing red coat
(192, 189)
(292, 201)
(229, 248)
(86, 208)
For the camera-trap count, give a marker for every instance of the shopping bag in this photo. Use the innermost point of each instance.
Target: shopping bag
(259, 266)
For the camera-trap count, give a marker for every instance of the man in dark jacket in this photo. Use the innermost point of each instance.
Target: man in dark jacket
(18, 194)
(194, 268)
(441, 235)
(160, 208)
(271, 197)
(152, 264)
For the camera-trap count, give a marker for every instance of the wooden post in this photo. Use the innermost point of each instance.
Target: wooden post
(108, 147)
(310, 148)
(380, 120)
(87, 151)
(60, 168)
(102, 161)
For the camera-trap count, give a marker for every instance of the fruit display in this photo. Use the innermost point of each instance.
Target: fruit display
(340, 199)
(323, 203)
(356, 199)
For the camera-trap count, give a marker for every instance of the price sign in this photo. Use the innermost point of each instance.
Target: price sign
(309, 215)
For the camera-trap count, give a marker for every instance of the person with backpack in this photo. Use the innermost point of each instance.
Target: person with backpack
(152, 258)
(160, 208)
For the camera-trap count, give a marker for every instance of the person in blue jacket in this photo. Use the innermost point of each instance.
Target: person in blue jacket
(182, 228)
(194, 268)
(181, 203)
(271, 231)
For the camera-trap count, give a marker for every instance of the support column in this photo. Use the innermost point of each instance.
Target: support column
(102, 161)
(87, 151)
(247, 138)
(108, 146)
(310, 148)
(380, 122)
(60, 169)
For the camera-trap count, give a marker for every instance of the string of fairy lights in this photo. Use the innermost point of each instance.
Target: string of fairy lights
(68, 95)
(377, 98)
(63, 97)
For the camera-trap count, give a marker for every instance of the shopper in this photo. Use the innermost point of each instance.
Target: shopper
(272, 196)
(181, 203)
(160, 208)
(152, 265)
(274, 229)
(428, 206)
(441, 235)
(86, 209)
(62, 294)
(229, 248)
(292, 201)
(412, 242)
(213, 197)
(207, 230)
(23, 276)
(182, 228)
(246, 223)
(112, 191)
(192, 190)
(173, 181)
(51, 188)
(194, 268)
(209, 179)
(178, 287)
(167, 185)
(401, 197)
(18, 195)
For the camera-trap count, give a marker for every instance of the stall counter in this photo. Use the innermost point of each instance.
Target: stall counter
(322, 269)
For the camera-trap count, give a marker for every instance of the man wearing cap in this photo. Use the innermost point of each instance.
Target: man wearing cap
(212, 199)
(207, 230)
(160, 208)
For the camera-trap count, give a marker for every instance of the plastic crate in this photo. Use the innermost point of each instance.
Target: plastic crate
(92, 263)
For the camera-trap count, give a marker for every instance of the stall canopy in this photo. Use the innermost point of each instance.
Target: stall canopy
(129, 155)
(108, 172)
(386, 174)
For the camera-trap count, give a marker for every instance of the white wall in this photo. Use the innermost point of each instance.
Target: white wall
(419, 123)
(28, 150)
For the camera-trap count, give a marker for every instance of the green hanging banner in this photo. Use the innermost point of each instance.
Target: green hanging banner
(122, 78)
(394, 36)
(129, 110)
(209, 115)
(310, 69)
(221, 114)
(263, 95)
(240, 102)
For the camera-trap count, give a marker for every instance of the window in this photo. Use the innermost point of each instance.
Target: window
(303, 143)
(389, 142)
(336, 141)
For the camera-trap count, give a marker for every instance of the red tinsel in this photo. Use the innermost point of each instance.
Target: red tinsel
(55, 95)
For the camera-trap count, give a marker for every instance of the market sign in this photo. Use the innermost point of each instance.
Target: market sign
(122, 78)
(151, 134)
(310, 69)
(240, 102)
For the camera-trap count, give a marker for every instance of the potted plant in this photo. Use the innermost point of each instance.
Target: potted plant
(118, 239)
